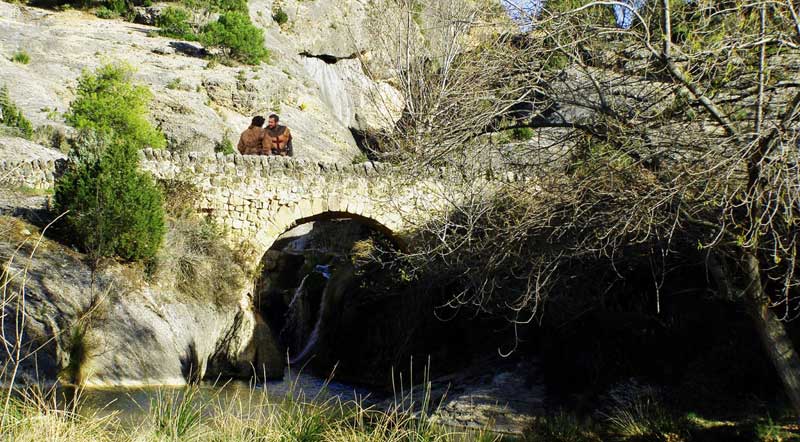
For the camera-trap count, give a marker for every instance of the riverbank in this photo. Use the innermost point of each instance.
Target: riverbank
(188, 415)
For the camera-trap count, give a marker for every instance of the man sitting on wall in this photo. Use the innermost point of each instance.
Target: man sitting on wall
(277, 138)
(252, 139)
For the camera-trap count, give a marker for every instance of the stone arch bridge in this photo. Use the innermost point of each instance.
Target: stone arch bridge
(260, 197)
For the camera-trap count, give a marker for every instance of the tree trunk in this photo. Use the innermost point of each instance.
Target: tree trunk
(772, 332)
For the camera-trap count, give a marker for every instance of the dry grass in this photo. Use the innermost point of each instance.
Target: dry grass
(183, 416)
(196, 258)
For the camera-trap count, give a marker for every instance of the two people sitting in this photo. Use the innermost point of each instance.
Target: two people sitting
(275, 139)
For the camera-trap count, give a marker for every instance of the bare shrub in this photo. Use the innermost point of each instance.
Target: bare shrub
(196, 257)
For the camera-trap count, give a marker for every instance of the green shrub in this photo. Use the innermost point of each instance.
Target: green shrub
(522, 133)
(217, 5)
(112, 209)
(280, 16)
(118, 7)
(12, 117)
(236, 35)
(108, 102)
(105, 13)
(174, 22)
(225, 146)
(21, 57)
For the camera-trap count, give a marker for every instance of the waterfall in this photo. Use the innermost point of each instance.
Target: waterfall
(295, 330)
(313, 338)
(332, 79)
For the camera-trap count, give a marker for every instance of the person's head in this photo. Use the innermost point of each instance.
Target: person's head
(258, 121)
(273, 121)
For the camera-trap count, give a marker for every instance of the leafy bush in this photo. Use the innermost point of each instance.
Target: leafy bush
(108, 102)
(118, 7)
(21, 57)
(112, 209)
(105, 13)
(217, 5)
(174, 22)
(12, 117)
(225, 146)
(236, 35)
(522, 133)
(280, 16)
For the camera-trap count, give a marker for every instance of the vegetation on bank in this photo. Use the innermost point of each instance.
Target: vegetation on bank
(12, 120)
(232, 33)
(108, 103)
(110, 207)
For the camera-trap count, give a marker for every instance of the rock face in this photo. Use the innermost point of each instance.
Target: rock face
(196, 104)
(115, 329)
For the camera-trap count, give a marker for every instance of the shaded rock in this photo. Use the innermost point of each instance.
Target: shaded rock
(114, 329)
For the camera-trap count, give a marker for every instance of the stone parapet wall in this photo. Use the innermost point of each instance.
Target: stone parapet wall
(258, 198)
(163, 164)
(33, 174)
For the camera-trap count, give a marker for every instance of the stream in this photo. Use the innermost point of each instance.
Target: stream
(132, 405)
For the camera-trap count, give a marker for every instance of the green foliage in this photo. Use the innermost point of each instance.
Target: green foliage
(280, 16)
(117, 7)
(769, 431)
(217, 5)
(105, 13)
(522, 133)
(12, 116)
(236, 35)
(112, 209)
(174, 22)
(561, 427)
(225, 146)
(108, 102)
(21, 57)
(176, 415)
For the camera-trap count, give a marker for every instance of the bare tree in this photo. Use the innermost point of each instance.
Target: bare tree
(680, 131)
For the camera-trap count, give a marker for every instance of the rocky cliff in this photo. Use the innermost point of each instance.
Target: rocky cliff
(312, 80)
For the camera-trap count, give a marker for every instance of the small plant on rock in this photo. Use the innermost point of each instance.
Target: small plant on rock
(21, 57)
(280, 16)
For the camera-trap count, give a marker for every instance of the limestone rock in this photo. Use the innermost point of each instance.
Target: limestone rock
(197, 105)
(20, 149)
(119, 330)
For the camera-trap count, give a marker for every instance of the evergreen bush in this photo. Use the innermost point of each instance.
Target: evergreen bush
(238, 37)
(280, 16)
(12, 117)
(108, 102)
(174, 22)
(112, 209)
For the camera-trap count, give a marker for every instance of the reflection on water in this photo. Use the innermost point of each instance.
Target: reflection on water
(131, 405)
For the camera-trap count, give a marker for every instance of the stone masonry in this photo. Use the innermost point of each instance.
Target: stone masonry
(260, 197)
